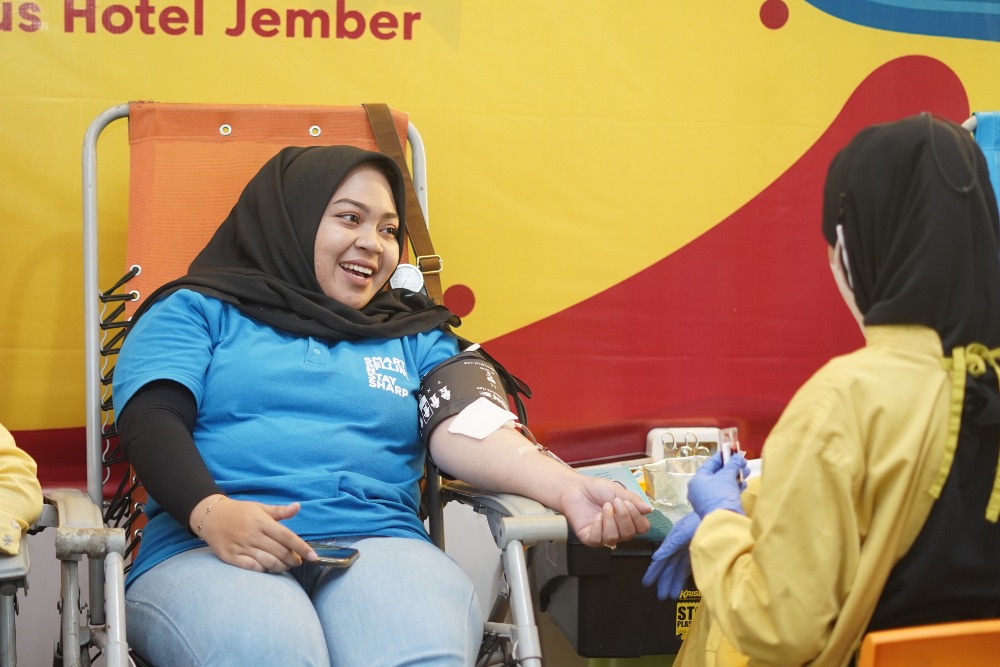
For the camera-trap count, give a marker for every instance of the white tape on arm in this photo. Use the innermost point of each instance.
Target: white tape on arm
(480, 419)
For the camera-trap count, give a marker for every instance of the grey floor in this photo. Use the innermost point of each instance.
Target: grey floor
(556, 649)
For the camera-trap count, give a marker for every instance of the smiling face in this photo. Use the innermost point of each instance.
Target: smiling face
(356, 248)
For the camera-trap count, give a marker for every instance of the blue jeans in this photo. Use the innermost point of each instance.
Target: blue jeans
(402, 602)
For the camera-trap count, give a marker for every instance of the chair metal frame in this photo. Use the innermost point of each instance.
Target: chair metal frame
(515, 522)
(13, 577)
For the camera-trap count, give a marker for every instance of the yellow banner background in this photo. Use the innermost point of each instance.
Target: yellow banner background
(570, 143)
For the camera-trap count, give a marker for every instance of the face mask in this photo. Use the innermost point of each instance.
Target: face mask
(841, 268)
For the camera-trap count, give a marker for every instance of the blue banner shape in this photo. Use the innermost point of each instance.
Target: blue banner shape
(971, 19)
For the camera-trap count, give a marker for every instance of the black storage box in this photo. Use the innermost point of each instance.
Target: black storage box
(596, 598)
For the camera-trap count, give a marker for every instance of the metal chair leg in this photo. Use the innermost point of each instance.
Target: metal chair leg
(8, 635)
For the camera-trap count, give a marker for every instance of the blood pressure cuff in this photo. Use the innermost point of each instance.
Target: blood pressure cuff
(456, 383)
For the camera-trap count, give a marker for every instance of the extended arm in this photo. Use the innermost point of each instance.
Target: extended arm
(598, 510)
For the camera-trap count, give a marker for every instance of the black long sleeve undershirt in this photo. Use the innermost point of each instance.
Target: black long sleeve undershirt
(155, 429)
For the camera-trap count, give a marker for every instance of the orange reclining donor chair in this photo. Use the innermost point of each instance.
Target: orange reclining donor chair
(187, 166)
(965, 643)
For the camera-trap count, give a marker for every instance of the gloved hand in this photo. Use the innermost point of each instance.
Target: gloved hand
(715, 486)
(671, 564)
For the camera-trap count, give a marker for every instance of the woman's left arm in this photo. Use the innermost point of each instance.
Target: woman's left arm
(598, 511)
(20, 492)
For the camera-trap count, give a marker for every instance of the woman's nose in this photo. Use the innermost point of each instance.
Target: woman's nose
(368, 238)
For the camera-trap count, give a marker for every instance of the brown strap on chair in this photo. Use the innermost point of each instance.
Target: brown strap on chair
(427, 260)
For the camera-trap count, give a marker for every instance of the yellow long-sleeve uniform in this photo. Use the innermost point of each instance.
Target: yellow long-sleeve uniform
(20, 493)
(843, 494)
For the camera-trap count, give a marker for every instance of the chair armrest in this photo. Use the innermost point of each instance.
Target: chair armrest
(511, 517)
(79, 525)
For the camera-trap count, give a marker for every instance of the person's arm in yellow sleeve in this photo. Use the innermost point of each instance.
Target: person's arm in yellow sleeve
(774, 580)
(20, 493)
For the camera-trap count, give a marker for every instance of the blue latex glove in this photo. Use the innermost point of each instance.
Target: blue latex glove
(671, 565)
(715, 486)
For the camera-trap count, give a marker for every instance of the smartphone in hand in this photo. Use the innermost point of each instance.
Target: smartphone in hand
(334, 556)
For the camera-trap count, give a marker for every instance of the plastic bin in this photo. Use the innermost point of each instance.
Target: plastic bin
(596, 598)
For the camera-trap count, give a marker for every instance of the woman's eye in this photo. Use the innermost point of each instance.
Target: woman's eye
(390, 231)
(351, 217)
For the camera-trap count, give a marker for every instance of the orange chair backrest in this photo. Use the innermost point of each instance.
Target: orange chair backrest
(965, 644)
(189, 163)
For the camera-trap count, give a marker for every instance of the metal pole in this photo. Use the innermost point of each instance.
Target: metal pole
(92, 335)
(115, 647)
(70, 639)
(91, 305)
(526, 640)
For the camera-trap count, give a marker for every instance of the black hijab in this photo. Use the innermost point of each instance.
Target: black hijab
(261, 257)
(920, 226)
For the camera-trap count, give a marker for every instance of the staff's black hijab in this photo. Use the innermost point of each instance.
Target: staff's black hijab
(921, 228)
(261, 257)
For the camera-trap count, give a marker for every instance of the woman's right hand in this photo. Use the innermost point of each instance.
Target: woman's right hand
(248, 534)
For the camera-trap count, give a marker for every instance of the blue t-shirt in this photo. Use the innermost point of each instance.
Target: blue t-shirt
(288, 418)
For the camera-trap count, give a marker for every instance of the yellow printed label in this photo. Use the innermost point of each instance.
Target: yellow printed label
(687, 605)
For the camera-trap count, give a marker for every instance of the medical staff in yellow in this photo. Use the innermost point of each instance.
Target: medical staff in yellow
(878, 501)
(20, 493)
